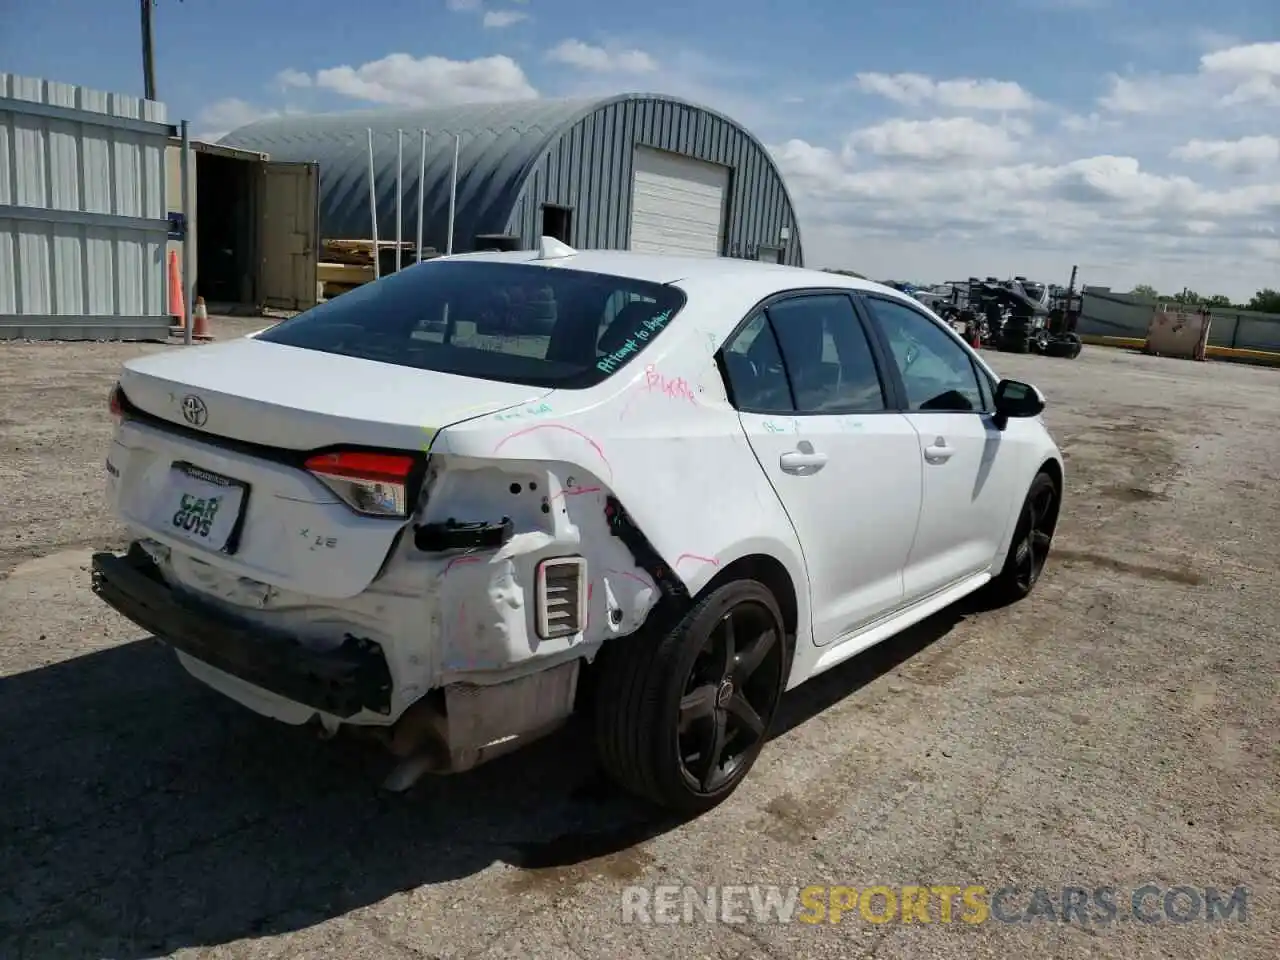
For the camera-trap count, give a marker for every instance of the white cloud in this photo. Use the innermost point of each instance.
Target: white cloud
(401, 80)
(1247, 60)
(1087, 123)
(221, 117)
(806, 162)
(585, 56)
(498, 19)
(1128, 221)
(940, 140)
(1089, 187)
(293, 78)
(1246, 155)
(463, 6)
(1247, 75)
(1153, 94)
(914, 89)
(1255, 91)
(730, 88)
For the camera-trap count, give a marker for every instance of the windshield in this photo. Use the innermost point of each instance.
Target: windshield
(1034, 290)
(514, 322)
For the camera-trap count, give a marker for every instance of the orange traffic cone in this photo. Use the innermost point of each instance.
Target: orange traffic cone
(200, 321)
(177, 303)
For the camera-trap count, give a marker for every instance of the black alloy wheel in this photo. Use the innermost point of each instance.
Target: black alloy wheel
(1032, 541)
(731, 689)
(1035, 527)
(683, 710)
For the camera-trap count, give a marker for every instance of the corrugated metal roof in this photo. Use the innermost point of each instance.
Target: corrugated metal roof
(499, 142)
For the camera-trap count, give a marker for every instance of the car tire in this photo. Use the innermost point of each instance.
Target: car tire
(1031, 543)
(1061, 348)
(665, 698)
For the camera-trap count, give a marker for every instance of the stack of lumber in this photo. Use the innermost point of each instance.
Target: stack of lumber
(346, 264)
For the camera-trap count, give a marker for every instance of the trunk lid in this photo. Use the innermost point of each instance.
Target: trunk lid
(296, 399)
(240, 417)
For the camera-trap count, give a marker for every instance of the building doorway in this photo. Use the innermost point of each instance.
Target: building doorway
(226, 228)
(557, 222)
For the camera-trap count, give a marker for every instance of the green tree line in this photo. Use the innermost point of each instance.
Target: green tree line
(1264, 301)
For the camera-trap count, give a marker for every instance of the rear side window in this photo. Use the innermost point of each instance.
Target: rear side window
(514, 322)
(753, 367)
(828, 358)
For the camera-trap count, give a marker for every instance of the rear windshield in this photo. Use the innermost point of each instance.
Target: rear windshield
(515, 322)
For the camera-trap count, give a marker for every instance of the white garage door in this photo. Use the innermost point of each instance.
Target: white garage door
(677, 204)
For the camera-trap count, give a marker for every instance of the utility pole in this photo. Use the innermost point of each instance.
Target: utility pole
(148, 53)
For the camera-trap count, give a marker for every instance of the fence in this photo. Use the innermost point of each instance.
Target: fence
(1108, 314)
(83, 213)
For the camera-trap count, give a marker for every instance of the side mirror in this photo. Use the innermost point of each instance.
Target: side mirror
(1016, 399)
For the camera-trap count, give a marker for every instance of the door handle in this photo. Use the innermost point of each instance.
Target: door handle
(796, 461)
(938, 451)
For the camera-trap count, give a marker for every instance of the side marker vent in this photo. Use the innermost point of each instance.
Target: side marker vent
(561, 597)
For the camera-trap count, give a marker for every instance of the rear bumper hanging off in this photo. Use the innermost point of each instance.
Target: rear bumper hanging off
(343, 682)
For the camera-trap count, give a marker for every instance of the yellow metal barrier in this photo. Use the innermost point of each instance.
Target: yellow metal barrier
(1265, 357)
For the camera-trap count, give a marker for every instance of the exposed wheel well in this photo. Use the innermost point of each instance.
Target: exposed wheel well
(758, 566)
(772, 574)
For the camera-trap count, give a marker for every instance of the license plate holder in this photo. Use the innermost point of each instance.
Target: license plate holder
(203, 508)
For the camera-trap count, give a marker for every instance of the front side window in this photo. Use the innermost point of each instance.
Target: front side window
(936, 371)
(515, 322)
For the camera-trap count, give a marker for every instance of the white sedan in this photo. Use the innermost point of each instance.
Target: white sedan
(444, 507)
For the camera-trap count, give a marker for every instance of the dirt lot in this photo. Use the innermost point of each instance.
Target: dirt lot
(1116, 730)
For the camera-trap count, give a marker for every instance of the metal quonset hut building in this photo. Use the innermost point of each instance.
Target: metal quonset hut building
(640, 172)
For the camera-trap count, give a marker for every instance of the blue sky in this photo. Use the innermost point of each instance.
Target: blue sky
(921, 139)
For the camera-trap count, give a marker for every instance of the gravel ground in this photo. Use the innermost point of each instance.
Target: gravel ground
(1114, 731)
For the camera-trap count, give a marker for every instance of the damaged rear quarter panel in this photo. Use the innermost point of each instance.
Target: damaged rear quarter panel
(660, 437)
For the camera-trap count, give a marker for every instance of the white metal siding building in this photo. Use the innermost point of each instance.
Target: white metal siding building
(83, 213)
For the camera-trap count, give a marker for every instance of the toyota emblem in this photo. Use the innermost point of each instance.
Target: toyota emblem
(725, 693)
(194, 411)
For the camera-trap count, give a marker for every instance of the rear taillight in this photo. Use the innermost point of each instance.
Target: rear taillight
(115, 402)
(375, 484)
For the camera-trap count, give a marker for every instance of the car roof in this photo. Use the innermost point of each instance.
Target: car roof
(658, 268)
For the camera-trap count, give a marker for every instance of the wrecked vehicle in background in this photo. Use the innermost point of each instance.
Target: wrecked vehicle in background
(681, 485)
